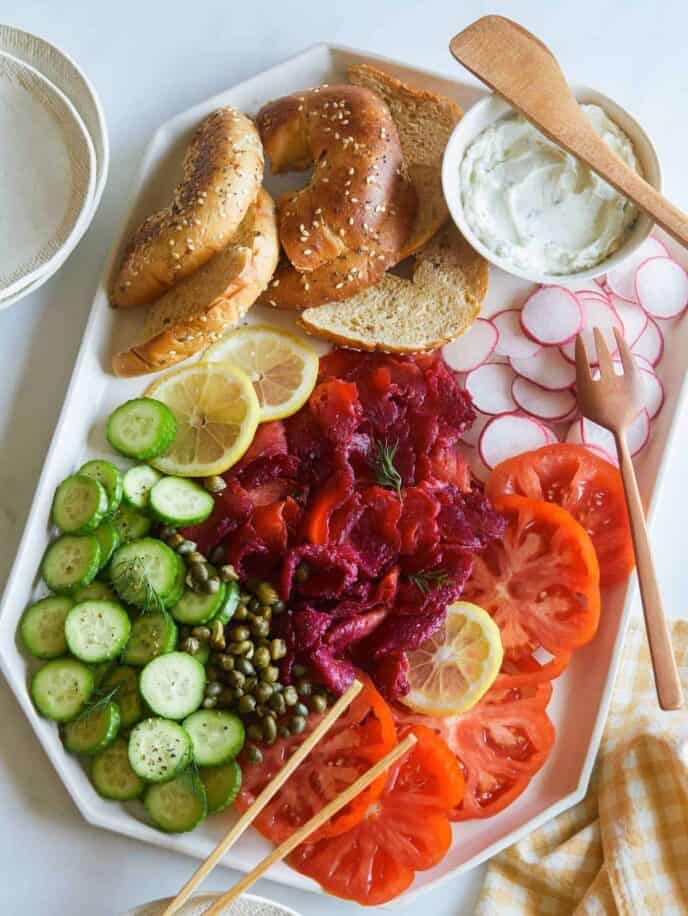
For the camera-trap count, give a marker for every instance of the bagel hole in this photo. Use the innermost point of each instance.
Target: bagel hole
(404, 269)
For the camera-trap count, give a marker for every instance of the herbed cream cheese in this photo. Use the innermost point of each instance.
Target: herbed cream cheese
(535, 205)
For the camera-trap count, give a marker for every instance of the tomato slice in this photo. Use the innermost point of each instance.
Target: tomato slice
(585, 485)
(501, 743)
(405, 831)
(358, 739)
(541, 582)
(528, 670)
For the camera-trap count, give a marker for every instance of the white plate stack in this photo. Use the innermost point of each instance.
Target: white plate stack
(54, 161)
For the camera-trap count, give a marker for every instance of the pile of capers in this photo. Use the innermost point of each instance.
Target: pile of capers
(200, 575)
(243, 673)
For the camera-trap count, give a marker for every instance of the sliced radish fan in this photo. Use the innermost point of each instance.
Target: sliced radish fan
(473, 348)
(552, 316)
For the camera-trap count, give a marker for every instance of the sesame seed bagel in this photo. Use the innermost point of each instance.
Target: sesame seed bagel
(223, 171)
(202, 307)
(350, 222)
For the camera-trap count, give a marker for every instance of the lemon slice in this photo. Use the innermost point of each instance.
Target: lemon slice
(217, 414)
(283, 369)
(452, 670)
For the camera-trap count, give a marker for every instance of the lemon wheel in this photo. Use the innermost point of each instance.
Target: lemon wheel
(452, 670)
(217, 414)
(282, 368)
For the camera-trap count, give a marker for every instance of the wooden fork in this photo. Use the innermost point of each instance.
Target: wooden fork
(613, 401)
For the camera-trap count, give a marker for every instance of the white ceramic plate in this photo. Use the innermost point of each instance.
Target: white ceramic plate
(581, 696)
(247, 905)
(48, 175)
(63, 72)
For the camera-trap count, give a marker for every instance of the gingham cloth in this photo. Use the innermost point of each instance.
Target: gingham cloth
(624, 848)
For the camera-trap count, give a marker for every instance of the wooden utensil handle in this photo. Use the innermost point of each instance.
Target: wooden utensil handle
(589, 147)
(667, 681)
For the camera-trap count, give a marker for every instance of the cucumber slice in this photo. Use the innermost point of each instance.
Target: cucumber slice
(61, 689)
(138, 482)
(92, 731)
(231, 603)
(142, 428)
(109, 539)
(112, 775)
(96, 591)
(173, 685)
(177, 501)
(221, 784)
(42, 626)
(144, 573)
(216, 736)
(97, 631)
(128, 696)
(177, 806)
(179, 584)
(79, 505)
(159, 749)
(151, 635)
(195, 608)
(109, 476)
(101, 671)
(131, 524)
(71, 562)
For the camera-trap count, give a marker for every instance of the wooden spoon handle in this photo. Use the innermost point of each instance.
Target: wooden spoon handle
(667, 680)
(589, 147)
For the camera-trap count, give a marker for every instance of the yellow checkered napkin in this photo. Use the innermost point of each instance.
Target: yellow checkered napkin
(624, 849)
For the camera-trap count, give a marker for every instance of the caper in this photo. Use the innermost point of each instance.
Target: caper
(244, 665)
(186, 547)
(283, 731)
(264, 612)
(302, 573)
(277, 687)
(227, 572)
(214, 484)
(278, 649)
(217, 635)
(263, 692)
(277, 703)
(247, 648)
(279, 607)
(236, 678)
(300, 710)
(251, 684)
(202, 633)
(191, 645)
(241, 612)
(304, 687)
(209, 702)
(213, 689)
(253, 753)
(261, 711)
(240, 633)
(266, 594)
(190, 582)
(175, 539)
(254, 731)
(238, 692)
(196, 557)
(261, 657)
(226, 698)
(260, 627)
(253, 604)
(318, 702)
(269, 674)
(199, 572)
(269, 730)
(246, 704)
(212, 673)
(226, 662)
(291, 697)
(234, 648)
(297, 724)
(299, 670)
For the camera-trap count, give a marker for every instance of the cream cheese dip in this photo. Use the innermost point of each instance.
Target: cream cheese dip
(535, 205)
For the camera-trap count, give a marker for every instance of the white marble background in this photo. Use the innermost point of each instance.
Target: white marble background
(150, 59)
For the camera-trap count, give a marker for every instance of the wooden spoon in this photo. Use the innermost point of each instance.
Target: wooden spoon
(524, 71)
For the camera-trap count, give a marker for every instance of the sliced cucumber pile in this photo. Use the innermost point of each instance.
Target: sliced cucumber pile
(173, 685)
(159, 749)
(151, 635)
(142, 428)
(112, 775)
(177, 501)
(179, 805)
(42, 626)
(61, 689)
(97, 631)
(93, 730)
(145, 572)
(138, 482)
(80, 504)
(216, 736)
(222, 785)
(131, 524)
(109, 476)
(196, 608)
(71, 562)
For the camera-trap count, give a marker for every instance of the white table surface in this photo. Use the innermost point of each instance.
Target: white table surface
(148, 60)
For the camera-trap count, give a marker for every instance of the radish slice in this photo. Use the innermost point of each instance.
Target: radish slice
(654, 392)
(650, 344)
(490, 388)
(471, 436)
(552, 316)
(661, 286)
(540, 403)
(473, 348)
(548, 368)
(508, 435)
(621, 279)
(634, 319)
(589, 433)
(512, 341)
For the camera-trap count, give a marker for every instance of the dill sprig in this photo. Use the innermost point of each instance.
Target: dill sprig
(382, 464)
(99, 700)
(429, 579)
(133, 584)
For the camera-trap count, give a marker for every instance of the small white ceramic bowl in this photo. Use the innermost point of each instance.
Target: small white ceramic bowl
(247, 905)
(491, 109)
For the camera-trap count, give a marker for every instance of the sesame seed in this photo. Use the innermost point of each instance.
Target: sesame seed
(339, 285)
(308, 251)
